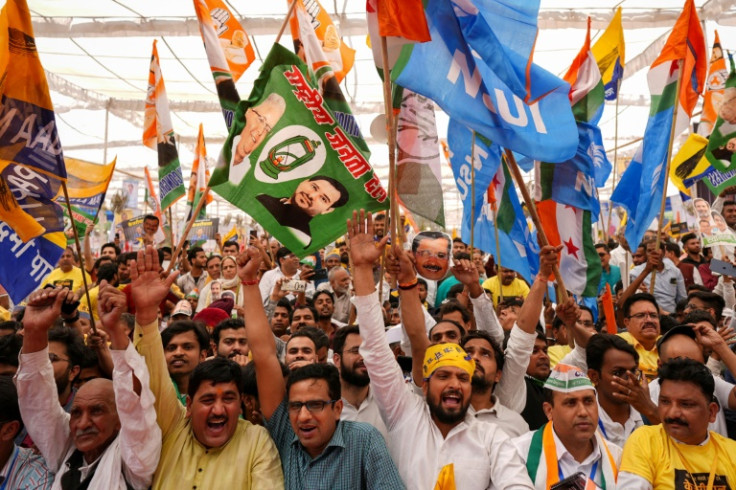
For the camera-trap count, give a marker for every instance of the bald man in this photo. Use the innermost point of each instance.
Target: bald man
(96, 445)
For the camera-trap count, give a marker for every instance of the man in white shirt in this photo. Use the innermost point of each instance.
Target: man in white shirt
(110, 440)
(434, 439)
(569, 438)
(288, 268)
(358, 403)
(621, 257)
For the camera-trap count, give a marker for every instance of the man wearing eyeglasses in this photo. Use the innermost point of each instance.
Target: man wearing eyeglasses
(641, 319)
(302, 413)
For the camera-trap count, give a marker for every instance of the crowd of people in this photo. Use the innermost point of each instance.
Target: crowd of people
(253, 368)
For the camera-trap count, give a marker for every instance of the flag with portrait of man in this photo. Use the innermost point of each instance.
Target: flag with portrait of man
(289, 164)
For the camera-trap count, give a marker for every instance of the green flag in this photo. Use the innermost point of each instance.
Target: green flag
(721, 152)
(288, 163)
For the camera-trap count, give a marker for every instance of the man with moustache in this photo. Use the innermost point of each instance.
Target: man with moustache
(431, 251)
(431, 439)
(110, 439)
(358, 401)
(569, 438)
(681, 452)
(231, 341)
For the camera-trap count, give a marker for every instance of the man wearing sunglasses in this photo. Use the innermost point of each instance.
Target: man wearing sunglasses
(327, 451)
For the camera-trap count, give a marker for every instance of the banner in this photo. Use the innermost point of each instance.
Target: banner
(288, 163)
(87, 185)
(133, 230)
(199, 178)
(202, 230)
(130, 187)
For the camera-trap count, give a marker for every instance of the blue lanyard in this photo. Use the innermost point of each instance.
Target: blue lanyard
(10, 470)
(593, 471)
(603, 429)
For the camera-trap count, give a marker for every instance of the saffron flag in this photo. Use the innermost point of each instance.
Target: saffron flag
(571, 227)
(31, 161)
(229, 51)
(199, 178)
(402, 18)
(158, 134)
(419, 179)
(87, 185)
(574, 181)
(641, 186)
(714, 87)
(324, 69)
(487, 85)
(517, 249)
(289, 164)
(337, 54)
(722, 141)
(610, 54)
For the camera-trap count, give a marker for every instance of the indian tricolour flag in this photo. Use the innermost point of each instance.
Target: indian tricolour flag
(580, 265)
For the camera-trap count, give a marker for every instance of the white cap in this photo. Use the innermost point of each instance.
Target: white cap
(393, 334)
(182, 308)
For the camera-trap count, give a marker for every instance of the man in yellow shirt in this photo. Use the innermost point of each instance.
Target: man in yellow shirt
(641, 319)
(66, 274)
(207, 444)
(680, 452)
(505, 284)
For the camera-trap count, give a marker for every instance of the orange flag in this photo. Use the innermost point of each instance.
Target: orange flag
(403, 18)
(608, 312)
(715, 83)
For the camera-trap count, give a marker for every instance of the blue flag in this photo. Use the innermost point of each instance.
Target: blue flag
(483, 83)
(518, 251)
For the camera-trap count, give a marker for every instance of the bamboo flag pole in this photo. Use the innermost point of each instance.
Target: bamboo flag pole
(494, 210)
(183, 237)
(81, 256)
(607, 223)
(393, 202)
(286, 21)
(516, 174)
(667, 171)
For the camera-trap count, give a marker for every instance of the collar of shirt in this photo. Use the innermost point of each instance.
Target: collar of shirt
(4, 474)
(367, 401)
(493, 409)
(564, 456)
(337, 440)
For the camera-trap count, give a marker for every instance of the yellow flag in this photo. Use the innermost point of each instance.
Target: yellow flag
(609, 53)
(689, 162)
(446, 478)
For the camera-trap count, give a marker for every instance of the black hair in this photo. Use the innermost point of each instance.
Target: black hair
(72, 340)
(328, 372)
(183, 326)
(452, 307)
(687, 237)
(249, 383)
(635, 298)
(150, 217)
(711, 300)
(666, 323)
(339, 187)
(319, 338)
(338, 341)
(11, 325)
(213, 256)
(455, 291)
(696, 316)
(687, 370)
(100, 260)
(193, 252)
(166, 250)
(107, 272)
(429, 235)
(126, 257)
(302, 307)
(603, 246)
(281, 253)
(303, 333)
(217, 370)
(421, 282)
(673, 247)
(601, 343)
(323, 292)
(480, 334)
(379, 217)
(10, 346)
(111, 245)
(453, 322)
(618, 287)
(285, 303)
(9, 409)
(90, 358)
(230, 323)
(231, 243)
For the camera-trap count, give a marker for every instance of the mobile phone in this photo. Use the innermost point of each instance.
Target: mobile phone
(572, 482)
(722, 267)
(294, 285)
(319, 275)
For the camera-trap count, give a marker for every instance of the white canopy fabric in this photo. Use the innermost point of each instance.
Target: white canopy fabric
(97, 54)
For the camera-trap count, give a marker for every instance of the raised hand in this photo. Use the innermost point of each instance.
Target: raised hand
(111, 305)
(548, 257)
(364, 251)
(465, 271)
(248, 264)
(148, 289)
(43, 308)
(400, 264)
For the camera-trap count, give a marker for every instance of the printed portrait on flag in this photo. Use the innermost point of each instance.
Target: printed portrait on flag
(722, 144)
(432, 252)
(289, 164)
(203, 230)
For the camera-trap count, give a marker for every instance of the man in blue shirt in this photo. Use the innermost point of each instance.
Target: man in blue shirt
(610, 274)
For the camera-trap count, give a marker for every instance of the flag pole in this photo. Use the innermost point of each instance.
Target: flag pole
(472, 196)
(81, 255)
(615, 165)
(516, 174)
(171, 226)
(286, 21)
(183, 237)
(494, 210)
(393, 203)
(667, 170)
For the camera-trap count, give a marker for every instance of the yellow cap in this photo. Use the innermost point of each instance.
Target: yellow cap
(440, 355)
